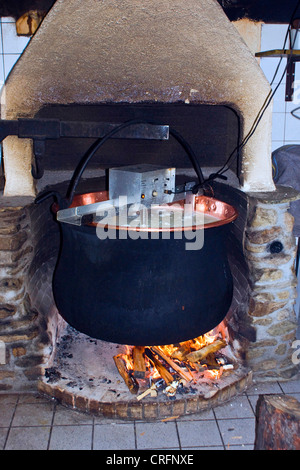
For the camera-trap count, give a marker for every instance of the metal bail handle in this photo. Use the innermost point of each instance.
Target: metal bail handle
(93, 149)
(67, 201)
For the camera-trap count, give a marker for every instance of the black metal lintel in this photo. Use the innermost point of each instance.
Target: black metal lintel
(54, 129)
(42, 129)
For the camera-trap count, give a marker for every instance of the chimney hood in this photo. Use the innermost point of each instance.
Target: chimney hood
(127, 51)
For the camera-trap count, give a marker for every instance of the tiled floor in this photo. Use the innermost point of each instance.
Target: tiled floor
(31, 422)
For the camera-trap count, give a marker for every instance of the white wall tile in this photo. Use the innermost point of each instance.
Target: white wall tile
(285, 128)
(296, 112)
(279, 105)
(1, 38)
(9, 62)
(269, 65)
(11, 46)
(276, 144)
(290, 105)
(278, 123)
(1, 72)
(273, 36)
(292, 129)
(8, 19)
(12, 43)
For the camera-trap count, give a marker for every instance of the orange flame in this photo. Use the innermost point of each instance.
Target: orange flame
(127, 358)
(191, 345)
(178, 352)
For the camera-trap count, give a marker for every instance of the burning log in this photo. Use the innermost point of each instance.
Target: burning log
(201, 354)
(139, 366)
(129, 380)
(164, 373)
(182, 351)
(134, 364)
(211, 362)
(185, 375)
(150, 391)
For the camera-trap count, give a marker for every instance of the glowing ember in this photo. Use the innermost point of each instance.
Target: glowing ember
(212, 374)
(182, 364)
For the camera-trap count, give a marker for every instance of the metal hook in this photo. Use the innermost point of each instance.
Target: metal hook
(37, 169)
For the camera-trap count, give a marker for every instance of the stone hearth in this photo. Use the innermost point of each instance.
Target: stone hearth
(261, 322)
(84, 376)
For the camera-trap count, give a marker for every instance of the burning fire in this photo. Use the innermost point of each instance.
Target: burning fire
(213, 374)
(127, 358)
(189, 362)
(191, 345)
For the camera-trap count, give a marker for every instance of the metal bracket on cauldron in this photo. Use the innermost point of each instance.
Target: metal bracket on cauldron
(74, 215)
(42, 129)
(80, 214)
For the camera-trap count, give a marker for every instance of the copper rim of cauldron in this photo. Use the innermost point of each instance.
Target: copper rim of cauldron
(223, 211)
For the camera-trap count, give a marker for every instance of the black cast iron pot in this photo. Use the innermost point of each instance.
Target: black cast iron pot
(142, 291)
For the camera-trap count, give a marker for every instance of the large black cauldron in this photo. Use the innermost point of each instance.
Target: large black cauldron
(144, 291)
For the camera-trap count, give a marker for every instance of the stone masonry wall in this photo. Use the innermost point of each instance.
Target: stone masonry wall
(270, 250)
(237, 322)
(24, 333)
